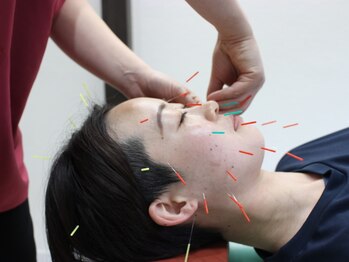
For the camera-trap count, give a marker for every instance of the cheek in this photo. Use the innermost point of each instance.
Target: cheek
(206, 150)
(200, 141)
(218, 153)
(204, 153)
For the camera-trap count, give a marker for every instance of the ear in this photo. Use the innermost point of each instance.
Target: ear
(170, 212)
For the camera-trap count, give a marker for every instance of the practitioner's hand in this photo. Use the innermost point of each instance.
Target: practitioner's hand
(237, 64)
(161, 86)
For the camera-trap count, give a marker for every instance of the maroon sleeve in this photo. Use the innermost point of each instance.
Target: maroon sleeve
(58, 6)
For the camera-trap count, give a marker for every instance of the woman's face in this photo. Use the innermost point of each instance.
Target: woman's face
(184, 138)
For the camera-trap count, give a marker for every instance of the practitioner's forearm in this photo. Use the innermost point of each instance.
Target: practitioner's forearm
(80, 33)
(225, 15)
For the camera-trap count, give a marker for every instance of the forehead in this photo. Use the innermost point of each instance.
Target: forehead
(126, 117)
(136, 104)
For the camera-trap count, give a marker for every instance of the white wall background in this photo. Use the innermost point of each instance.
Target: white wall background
(304, 49)
(45, 124)
(304, 46)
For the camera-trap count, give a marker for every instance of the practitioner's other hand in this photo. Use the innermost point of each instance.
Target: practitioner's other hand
(237, 64)
(158, 85)
(161, 86)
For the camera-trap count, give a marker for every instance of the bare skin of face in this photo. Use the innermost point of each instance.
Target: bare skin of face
(277, 203)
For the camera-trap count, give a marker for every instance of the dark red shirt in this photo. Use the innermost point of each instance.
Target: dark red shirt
(25, 26)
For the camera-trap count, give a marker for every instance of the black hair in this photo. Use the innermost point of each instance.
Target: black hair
(96, 182)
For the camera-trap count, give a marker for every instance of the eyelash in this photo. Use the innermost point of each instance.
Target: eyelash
(182, 116)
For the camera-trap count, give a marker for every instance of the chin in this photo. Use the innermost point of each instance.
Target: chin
(255, 136)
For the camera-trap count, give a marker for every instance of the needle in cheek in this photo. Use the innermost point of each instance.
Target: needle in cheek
(245, 152)
(178, 175)
(232, 176)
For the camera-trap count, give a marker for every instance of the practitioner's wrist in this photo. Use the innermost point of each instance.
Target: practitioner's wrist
(135, 81)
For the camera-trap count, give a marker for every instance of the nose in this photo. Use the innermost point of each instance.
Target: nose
(209, 110)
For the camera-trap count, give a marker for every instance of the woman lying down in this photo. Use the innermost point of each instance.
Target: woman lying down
(134, 176)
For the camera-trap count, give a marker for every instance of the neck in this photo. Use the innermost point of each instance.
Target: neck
(278, 205)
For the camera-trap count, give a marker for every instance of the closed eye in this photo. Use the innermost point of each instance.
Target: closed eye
(182, 118)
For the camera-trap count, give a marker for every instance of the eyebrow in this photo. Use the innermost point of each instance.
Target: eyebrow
(159, 117)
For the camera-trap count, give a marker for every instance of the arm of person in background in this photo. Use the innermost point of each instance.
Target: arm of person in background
(84, 36)
(236, 59)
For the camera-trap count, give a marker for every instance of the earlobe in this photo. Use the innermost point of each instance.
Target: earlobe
(171, 213)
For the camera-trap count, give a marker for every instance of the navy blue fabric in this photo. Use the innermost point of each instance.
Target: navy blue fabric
(325, 234)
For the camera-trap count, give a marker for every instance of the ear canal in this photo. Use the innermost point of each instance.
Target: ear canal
(171, 213)
(174, 208)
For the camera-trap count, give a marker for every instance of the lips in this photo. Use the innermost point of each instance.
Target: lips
(237, 120)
